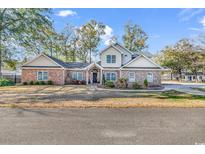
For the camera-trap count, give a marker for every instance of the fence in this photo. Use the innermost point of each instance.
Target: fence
(13, 77)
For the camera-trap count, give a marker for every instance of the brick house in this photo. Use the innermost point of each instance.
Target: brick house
(115, 62)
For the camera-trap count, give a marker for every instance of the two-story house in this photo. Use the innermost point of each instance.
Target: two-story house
(115, 62)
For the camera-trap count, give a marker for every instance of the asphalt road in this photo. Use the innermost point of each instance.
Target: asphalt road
(102, 126)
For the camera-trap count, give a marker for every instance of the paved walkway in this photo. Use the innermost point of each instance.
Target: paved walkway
(185, 87)
(182, 87)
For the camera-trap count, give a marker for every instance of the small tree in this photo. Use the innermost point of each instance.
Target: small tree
(89, 38)
(173, 59)
(135, 39)
(145, 83)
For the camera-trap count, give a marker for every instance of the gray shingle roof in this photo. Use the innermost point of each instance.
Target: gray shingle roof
(69, 64)
(76, 65)
(58, 61)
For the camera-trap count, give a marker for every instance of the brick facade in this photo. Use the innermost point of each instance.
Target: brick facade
(55, 75)
(141, 75)
(115, 71)
(68, 75)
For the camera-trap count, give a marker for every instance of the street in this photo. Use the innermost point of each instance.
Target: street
(102, 126)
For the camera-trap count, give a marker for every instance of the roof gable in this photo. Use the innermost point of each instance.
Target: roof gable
(42, 60)
(141, 61)
(123, 49)
(111, 46)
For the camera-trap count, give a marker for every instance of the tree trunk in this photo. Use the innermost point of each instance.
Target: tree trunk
(196, 76)
(0, 58)
(0, 53)
(90, 56)
(180, 76)
(1, 31)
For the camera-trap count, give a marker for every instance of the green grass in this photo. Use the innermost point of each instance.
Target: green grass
(200, 89)
(173, 94)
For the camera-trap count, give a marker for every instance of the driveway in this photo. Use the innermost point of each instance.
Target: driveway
(184, 87)
(102, 126)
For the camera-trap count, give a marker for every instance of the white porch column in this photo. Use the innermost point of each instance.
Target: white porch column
(86, 76)
(120, 73)
(101, 76)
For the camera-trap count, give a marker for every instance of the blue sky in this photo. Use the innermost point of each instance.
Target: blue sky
(163, 26)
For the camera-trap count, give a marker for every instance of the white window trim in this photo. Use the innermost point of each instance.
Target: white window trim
(77, 75)
(134, 79)
(152, 77)
(42, 75)
(111, 59)
(111, 76)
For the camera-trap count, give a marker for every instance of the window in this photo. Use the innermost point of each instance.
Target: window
(131, 77)
(111, 76)
(42, 76)
(77, 76)
(111, 58)
(149, 77)
(200, 77)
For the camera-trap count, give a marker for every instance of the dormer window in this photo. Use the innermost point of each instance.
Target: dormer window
(111, 58)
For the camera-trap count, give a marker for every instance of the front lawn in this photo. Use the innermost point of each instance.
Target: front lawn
(85, 96)
(200, 89)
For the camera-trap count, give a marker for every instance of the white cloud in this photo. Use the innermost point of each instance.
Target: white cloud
(202, 21)
(65, 13)
(200, 30)
(108, 35)
(184, 11)
(155, 36)
(195, 29)
(187, 14)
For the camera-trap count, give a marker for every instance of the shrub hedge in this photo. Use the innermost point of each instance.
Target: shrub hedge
(6, 82)
(136, 86)
(109, 84)
(49, 82)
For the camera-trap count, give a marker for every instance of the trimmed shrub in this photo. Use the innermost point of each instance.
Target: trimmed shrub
(42, 83)
(83, 82)
(122, 83)
(37, 83)
(79, 82)
(50, 82)
(109, 84)
(136, 86)
(31, 83)
(6, 82)
(145, 83)
(25, 83)
(74, 81)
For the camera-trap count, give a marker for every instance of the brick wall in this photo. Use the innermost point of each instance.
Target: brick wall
(68, 75)
(141, 75)
(56, 75)
(115, 71)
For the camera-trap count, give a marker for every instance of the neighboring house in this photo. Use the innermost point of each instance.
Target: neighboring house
(115, 62)
(190, 77)
(186, 76)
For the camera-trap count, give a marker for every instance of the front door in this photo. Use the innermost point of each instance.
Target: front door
(94, 77)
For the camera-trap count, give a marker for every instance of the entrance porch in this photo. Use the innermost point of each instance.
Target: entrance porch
(94, 74)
